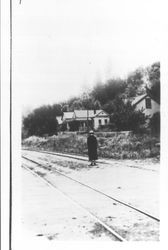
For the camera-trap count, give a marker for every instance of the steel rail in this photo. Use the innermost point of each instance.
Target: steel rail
(98, 191)
(81, 158)
(64, 155)
(109, 229)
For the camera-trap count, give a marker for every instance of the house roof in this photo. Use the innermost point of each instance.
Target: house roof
(138, 99)
(83, 114)
(79, 114)
(102, 113)
(68, 115)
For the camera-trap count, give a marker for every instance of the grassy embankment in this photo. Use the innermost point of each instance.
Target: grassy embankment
(117, 146)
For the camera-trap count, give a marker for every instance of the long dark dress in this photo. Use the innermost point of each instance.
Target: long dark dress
(92, 147)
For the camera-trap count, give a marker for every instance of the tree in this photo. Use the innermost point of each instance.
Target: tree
(24, 131)
(109, 107)
(135, 83)
(77, 104)
(154, 79)
(108, 91)
(154, 123)
(125, 117)
(65, 108)
(70, 103)
(85, 101)
(89, 102)
(42, 120)
(99, 93)
(97, 105)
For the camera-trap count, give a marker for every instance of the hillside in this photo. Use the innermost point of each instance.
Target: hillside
(116, 145)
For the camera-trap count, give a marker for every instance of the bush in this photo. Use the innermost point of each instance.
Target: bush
(120, 146)
(42, 120)
(125, 117)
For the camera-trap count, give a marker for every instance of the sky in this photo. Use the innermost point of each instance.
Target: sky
(63, 47)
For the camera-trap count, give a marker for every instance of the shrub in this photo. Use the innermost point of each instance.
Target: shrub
(42, 120)
(120, 146)
(124, 116)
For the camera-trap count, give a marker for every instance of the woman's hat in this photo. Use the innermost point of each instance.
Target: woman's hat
(91, 132)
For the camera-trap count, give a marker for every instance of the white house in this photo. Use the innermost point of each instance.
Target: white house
(101, 118)
(93, 118)
(147, 104)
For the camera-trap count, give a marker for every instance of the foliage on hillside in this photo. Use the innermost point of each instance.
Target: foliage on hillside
(42, 121)
(117, 146)
(154, 79)
(105, 92)
(125, 117)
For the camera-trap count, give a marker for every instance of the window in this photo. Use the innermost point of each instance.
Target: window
(99, 122)
(105, 121)
(148, 103)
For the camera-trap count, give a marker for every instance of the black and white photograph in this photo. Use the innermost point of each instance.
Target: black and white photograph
(85, 107)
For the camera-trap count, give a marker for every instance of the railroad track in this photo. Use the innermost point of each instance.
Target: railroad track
(98, 220)
(119, 235)
(75, 157)
(82, 158)
(94, 189)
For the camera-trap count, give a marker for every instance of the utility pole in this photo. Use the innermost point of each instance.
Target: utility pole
(85, 98)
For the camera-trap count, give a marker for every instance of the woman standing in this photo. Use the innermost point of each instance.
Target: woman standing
(92, 148)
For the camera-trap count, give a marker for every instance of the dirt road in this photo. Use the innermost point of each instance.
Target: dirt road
(133, 184)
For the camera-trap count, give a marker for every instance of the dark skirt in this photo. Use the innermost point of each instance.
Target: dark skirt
(92, 155)
(92, 148)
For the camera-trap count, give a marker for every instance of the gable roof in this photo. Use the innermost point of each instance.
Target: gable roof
(102, 113)
(138, 99)
(79, 114)
(85, 113)
(68, 115)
